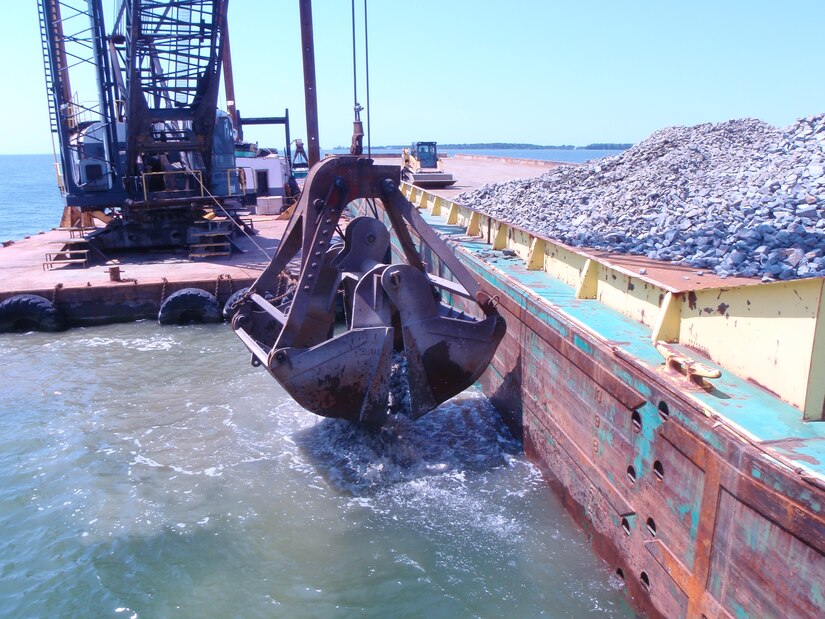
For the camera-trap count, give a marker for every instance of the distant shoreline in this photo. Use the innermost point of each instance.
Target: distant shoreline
(513, 146)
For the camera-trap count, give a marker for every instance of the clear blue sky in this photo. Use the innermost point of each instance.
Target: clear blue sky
(543, 71)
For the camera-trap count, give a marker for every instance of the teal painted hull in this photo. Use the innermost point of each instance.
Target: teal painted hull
(699, 498)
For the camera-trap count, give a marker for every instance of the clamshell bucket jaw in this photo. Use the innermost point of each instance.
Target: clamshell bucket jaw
(392, 310)
(347, 376)
(444, 355)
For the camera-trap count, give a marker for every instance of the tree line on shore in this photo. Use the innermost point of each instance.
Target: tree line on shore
(519, 146)
(512, 146)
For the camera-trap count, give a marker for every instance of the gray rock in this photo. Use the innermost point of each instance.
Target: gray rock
(795, 255)
(736, 197)
(737, 257)
(810, 213)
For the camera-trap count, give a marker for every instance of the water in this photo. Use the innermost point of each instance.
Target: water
(148, 472)
(30, 201)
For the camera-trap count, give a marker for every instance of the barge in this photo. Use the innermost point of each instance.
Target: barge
(679, 416)
(131, 286)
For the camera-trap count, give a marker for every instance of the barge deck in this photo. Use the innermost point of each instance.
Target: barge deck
(88, 295)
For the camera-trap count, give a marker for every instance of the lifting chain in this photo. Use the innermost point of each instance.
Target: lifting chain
(286, 286)
(220, 278)
(54, 292)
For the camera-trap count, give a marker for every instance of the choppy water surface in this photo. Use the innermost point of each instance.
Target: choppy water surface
(148, 472)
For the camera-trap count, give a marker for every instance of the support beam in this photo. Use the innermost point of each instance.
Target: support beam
(229, 80)
(668, 321)
(588, 286)
(535, 256)
(310, 95)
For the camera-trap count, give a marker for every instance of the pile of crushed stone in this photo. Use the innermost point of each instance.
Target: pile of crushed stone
(737, 198)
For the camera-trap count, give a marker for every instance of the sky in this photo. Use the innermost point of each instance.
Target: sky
(466, 71)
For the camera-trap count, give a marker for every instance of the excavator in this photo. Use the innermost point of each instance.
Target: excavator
(398, 329)
(422, 167)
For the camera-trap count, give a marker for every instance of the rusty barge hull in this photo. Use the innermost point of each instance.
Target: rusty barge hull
(707, 498)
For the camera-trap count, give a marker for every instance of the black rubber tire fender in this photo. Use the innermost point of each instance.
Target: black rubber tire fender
(30, 312)
(229, 311)
(189, 305)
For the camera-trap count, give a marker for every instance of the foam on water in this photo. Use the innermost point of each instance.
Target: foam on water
(152, 472)
(463, 434)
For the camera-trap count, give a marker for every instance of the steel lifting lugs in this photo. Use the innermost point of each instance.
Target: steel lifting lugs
(390, 308)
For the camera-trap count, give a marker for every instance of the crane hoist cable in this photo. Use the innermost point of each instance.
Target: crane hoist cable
(357, 146)
(367, 76)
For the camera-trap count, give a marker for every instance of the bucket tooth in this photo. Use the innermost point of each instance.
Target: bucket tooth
(346, 377)
(444, 355)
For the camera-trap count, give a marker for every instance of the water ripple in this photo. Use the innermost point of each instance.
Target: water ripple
(150, 472)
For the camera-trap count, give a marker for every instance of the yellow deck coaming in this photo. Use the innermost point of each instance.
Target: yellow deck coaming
(736, 322)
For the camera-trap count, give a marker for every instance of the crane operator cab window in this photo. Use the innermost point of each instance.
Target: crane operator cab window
(224, 173)
(426, 155)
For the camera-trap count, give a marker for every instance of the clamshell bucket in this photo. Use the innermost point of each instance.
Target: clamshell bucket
(393, 311)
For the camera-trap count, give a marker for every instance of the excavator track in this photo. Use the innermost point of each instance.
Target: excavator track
(392, 311)
(430, 180)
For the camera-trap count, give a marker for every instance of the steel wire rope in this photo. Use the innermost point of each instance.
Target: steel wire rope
(356, 106)
(367, 75)
(371, 204)
(369, 201)
(354, 66)
(228, 216)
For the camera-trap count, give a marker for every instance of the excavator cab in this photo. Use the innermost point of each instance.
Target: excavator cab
(421, 166)
(426, 154)
(401, 339)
